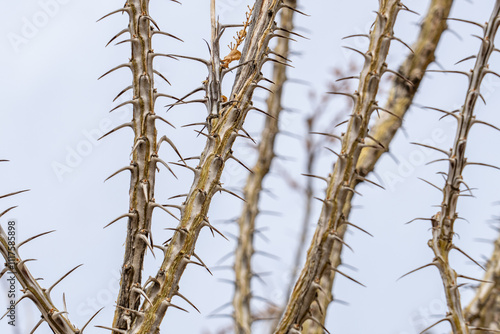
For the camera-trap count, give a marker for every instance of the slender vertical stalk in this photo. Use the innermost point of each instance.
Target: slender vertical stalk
(306, 290)
(144, 159)
(252, 190)
(400, 99)
(443, 221)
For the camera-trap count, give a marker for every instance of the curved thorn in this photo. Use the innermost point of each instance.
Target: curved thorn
(465, 21)
(14, 193)
(485, 123)
(123, 104)
(326, 134)
(465, 59)
(129, 215)
(414, 270)
(400, 41)
(92, 317)
(431, 184)
(7, 210)
(356, 35)
(130, 168)
(117, 35)
(468, 256)
(158, 32)
(146, 241)
(156, 160)
(121, 10)
(161, 76)
(115, 68)
(121, 331)
(431, 147)
(33, 237)
(481, 164)
(63, 277)
(37, 325)
(359, 228)
(434, 324)
(116, 129)
(166, 139)
(122, 92)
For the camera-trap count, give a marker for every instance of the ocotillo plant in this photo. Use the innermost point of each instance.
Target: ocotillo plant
(164, 250)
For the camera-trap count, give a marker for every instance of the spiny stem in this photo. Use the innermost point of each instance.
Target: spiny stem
(318, 258)
(401, 94)
(144, 162)
(443, 221)
(482, 311)
(246, 222)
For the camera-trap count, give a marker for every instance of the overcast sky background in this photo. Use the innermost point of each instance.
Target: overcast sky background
(54, 107)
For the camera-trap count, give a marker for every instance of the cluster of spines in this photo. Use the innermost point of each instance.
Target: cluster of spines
(332, 218)
(57, 320)
(443, 221)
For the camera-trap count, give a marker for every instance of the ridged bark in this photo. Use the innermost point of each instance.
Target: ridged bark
(443, 221)
(223, 130)
(484, 309)
(252, 190)
(144, 159)
(307, 288)
(399, 101)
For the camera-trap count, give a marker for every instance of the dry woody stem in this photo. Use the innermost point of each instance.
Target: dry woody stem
(443, 221)
(332, 219)
(145, 158)
(245, 250)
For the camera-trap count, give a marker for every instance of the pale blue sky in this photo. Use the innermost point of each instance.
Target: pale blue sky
(54, 107)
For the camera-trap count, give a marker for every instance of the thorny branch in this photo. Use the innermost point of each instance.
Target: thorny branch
(443, 221)
(246, 222)
(307, 288)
